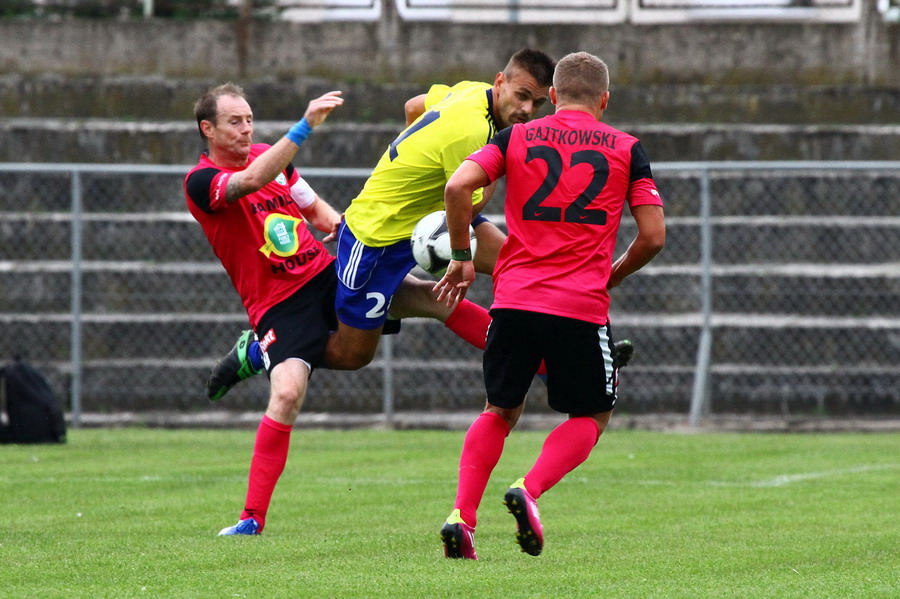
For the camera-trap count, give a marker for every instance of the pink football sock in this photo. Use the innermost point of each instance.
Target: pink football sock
(481, 451)
(567, 446)
(470, 322)
(269, 457)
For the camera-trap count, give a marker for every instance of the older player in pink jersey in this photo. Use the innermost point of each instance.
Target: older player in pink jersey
(568, 179)
(252, 204)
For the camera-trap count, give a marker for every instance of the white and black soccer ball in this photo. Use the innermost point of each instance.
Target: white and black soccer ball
(431, 243)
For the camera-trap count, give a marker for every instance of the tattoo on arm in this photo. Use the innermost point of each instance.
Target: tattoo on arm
(233, 190)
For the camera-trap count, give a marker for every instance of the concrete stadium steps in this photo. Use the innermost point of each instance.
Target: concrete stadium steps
(26, 237)
(776, 343)
(819, 193)
(809, 290)
(824, 192)
(117, 194)
(154, 98)
(361, 144)
(177, 239)
(154, 386)
(127, 288)
(183, 388)
(835, 393)
(780, 240)
(641, 391)
(142, 288)
(663, 340)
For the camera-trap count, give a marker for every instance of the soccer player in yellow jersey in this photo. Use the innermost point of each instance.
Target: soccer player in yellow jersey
(445, 126)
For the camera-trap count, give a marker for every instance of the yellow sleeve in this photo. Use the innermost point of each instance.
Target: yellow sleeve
(453, 154)
(435, 94)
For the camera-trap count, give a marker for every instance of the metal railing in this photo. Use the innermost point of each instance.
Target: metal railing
(777, 291)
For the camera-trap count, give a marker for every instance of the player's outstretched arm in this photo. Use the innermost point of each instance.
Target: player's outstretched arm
(649, 241)
(266, 167)
(414, 108)
(319, 109)
(458, 203)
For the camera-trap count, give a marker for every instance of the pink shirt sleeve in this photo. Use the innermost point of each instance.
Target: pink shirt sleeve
(217, 191)
(491, 159)
(643, 192)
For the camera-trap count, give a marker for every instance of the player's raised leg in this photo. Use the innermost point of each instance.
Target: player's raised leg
(243, 361)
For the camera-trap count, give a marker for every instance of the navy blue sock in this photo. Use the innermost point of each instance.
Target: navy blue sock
(254, 354)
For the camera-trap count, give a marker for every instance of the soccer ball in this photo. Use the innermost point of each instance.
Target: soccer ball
(430, 243)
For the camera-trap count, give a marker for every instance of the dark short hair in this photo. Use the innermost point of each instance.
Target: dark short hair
(534, 62)
(581, 78)
(206, 107)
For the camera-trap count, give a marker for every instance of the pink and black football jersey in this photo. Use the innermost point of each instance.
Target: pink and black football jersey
(568, 177)
(261, 239)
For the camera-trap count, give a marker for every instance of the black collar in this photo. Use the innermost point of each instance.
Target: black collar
(490, 100)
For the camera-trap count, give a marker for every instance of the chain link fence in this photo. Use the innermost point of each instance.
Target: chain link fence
(778, 292)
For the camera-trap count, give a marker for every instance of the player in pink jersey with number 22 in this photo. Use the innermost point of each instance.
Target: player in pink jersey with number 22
(568, 179)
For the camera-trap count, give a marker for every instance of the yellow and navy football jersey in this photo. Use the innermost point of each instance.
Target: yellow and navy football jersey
(408, 182)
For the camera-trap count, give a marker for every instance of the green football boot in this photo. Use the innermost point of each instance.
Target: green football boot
(232, 369)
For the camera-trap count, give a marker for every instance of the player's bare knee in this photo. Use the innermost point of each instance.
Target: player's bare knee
(285, 402)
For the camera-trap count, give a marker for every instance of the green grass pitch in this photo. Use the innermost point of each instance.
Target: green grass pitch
(134, 513)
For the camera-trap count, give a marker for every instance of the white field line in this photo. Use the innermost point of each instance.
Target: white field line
(198, 478)
(194, 478)
(778, 481)
(786, 479)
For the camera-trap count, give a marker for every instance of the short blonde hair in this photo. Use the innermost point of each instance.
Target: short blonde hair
(580, 78)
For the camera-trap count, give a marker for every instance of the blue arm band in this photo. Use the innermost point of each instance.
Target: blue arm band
(299, 132)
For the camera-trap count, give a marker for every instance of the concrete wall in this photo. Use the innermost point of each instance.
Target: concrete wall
(393, 50)
(360, 145)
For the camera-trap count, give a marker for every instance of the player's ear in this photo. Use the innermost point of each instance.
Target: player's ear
(207, 126)
(553, 97)
(604, 100)
(499, 80)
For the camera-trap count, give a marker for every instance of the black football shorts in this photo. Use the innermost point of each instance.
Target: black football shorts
(578, 354)
(299, 326)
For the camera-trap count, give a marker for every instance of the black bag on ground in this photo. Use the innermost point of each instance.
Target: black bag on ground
(33, 413)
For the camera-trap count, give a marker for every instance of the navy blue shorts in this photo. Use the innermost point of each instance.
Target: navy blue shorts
(368, 278)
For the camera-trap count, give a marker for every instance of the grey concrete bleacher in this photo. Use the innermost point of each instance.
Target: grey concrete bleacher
(805, 322)
(53, 118)
(159, 310)
(360, 144)
(138, 98)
